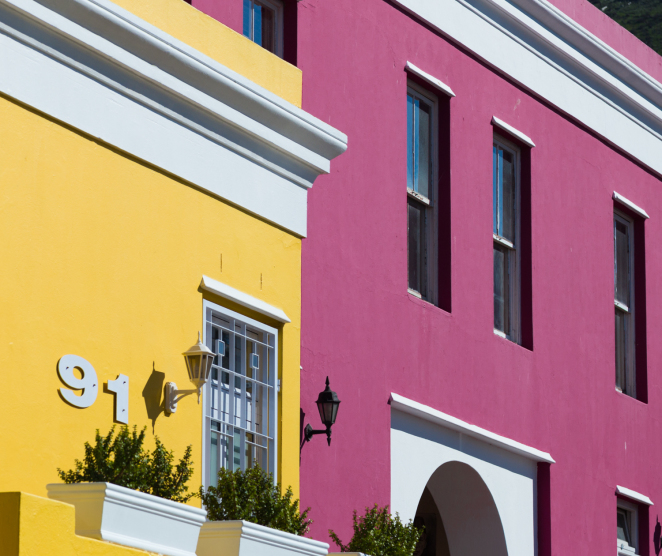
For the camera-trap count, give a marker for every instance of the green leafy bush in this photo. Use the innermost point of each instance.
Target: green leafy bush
(123, 461)
(378, 533)
(251, 495)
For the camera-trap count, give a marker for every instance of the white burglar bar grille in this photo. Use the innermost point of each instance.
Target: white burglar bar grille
(240, 398)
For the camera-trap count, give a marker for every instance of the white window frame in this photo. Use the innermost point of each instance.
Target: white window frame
(432, 223)
(623, 548)
(515, 332)
(206, 398)
(630, 364)
(277, 7)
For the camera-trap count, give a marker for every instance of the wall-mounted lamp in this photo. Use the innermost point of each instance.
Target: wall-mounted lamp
(199, 359)
(327, 405)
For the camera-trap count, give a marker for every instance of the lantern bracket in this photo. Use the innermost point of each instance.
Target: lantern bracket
(327, 405)
(309, 432)
(172, 395)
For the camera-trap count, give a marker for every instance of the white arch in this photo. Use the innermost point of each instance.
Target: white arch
(470, 516)
(420, 448)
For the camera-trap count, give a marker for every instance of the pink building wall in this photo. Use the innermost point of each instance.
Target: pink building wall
(363, 330)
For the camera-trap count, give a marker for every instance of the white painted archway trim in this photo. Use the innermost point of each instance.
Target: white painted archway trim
(428, 413)
(424, 439)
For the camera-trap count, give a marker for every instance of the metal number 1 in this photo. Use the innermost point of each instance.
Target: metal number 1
(120, 387)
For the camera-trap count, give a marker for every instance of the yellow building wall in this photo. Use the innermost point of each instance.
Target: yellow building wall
(182, 21)
(102, 257)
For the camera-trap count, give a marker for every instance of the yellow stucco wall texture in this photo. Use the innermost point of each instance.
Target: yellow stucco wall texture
(102, 257)
(182, 21)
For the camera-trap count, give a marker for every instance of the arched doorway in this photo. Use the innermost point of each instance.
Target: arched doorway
(459, 515)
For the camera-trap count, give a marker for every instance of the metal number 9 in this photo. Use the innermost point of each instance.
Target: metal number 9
(88, 384)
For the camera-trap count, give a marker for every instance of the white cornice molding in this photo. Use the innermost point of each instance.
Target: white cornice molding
(161, 84)
(512, 131)
(629, 204)
(442, 419)
(537, 45)
(634, 495)
(236, 530)
(243, 299)
(436, 83)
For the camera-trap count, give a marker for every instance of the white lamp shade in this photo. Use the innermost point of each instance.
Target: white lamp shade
(199, 359)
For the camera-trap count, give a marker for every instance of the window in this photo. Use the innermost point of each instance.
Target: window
(505, 236)
(263, 24)
(241, 397)
(422, 203)
(624, 304)
(626, 528)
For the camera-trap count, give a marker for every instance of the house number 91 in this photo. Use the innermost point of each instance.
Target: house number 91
(89, 384)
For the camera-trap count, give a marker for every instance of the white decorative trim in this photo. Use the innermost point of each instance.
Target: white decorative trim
(624, 549)
(243, 299)
(503, 241)
(538, 46)
(232, 538)
(633, 495)
(411, 68)
(124, 516)
(512, 131)
(425, 412)
(629, 204)
(416, 195)
(106, 72)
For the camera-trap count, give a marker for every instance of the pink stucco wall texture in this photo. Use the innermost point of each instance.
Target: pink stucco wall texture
(362, 329)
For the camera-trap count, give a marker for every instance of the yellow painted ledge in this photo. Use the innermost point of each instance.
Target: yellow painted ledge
(35, 526)
(191, 26)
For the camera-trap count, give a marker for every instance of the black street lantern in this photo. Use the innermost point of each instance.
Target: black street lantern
(327, 404)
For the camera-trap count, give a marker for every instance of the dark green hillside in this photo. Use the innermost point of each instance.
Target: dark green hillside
(643, 18)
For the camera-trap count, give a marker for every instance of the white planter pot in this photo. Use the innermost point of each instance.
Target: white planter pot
(241, 538)
(124, 516)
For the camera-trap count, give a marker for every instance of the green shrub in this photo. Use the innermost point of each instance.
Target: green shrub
(123, 461)
(378, 533)
(251, 495)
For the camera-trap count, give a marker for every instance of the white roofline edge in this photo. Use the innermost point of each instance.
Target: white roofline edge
(512, 131)
(629, 204)
(437, 417)
(429, 79)
(634, 495)
(243, 299)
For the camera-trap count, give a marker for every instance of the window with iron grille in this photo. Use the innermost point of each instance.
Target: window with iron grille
(241, 396)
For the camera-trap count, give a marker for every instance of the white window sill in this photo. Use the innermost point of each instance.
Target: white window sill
(512, 131)
(500, 334)
(414, 293)
(622, 306)
(421, 198)
(634, 495)
(624, 549)
(429, 79)
(629, 204)
(503, 241)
